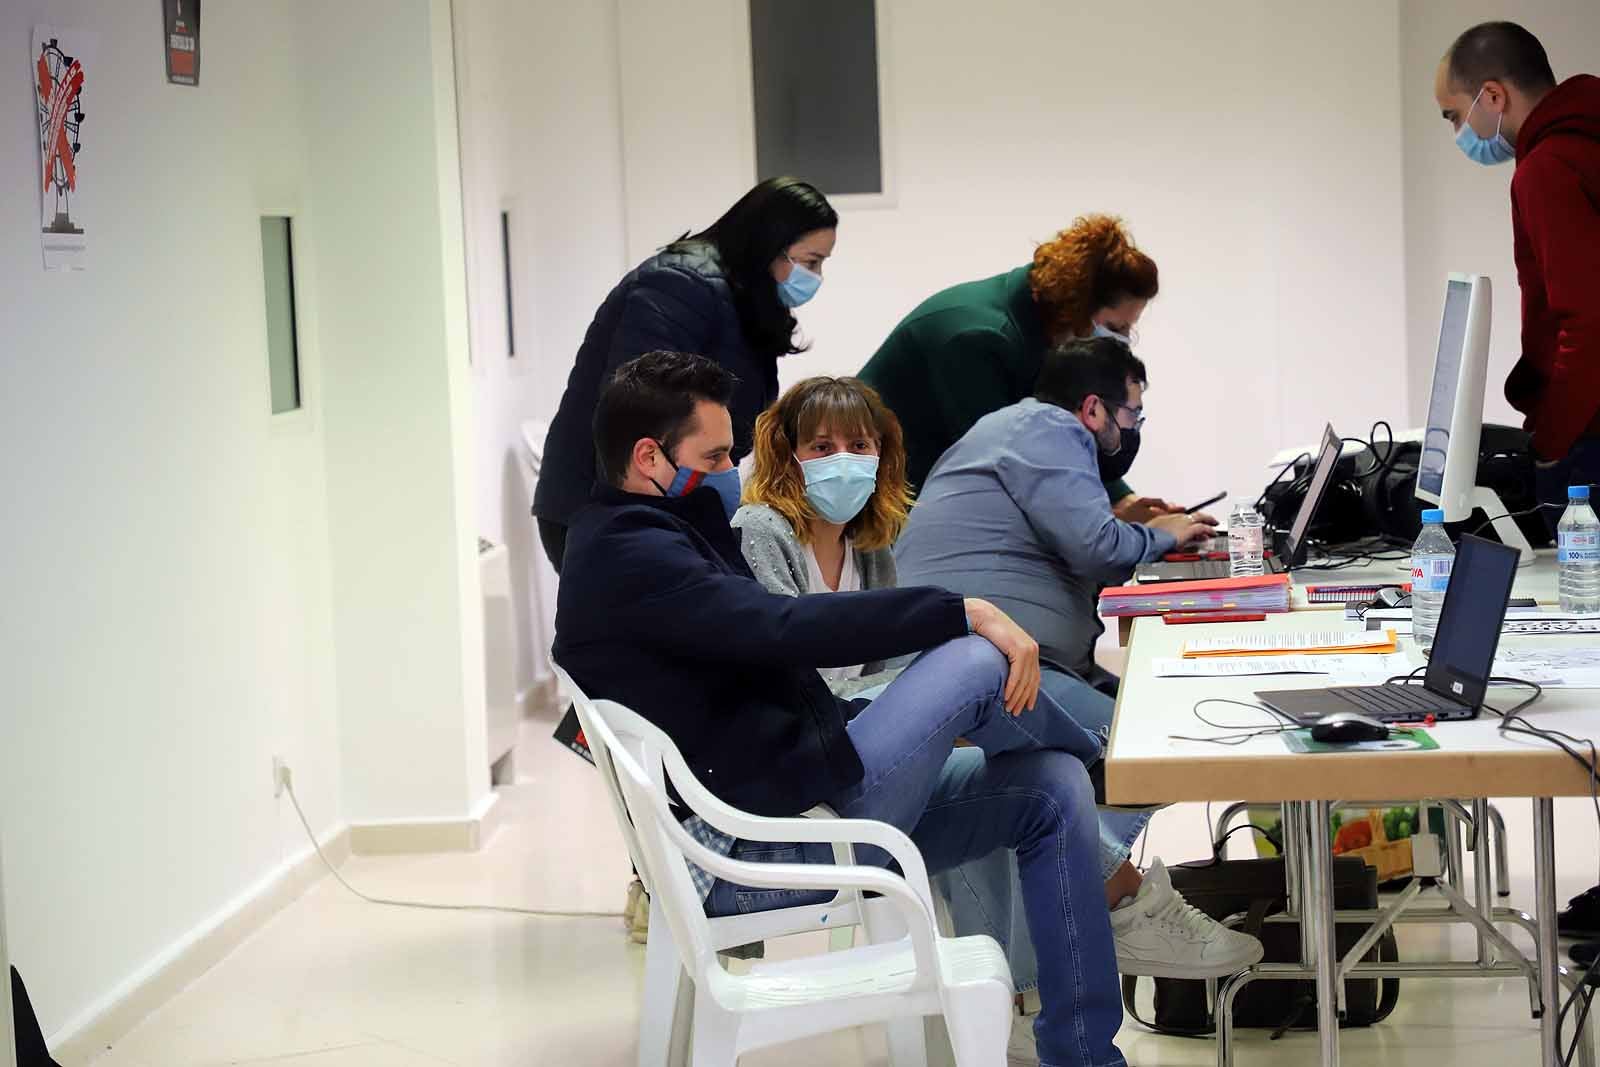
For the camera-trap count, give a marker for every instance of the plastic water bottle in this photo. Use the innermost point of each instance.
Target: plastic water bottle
(1432, 558)
(1246, 542)
(1578, 552)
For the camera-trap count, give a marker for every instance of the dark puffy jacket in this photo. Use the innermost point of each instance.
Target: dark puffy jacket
(675, 300)
(658, 611)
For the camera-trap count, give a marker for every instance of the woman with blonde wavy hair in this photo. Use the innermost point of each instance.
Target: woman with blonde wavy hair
(826, 499)
(978, 347)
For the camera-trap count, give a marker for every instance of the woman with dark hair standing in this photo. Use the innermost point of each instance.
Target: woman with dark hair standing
(725, 293)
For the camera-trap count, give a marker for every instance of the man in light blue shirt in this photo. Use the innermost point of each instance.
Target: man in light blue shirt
(1016, 512)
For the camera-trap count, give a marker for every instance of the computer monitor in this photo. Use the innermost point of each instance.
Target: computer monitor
(1447, 471)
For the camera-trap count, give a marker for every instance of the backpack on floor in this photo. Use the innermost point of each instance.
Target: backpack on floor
(1255, 888)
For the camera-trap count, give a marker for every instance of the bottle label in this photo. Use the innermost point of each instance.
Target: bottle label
(1431, 575)
(1575, 546)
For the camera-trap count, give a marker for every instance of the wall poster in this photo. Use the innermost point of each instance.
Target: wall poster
(58, 77)
(183, 41)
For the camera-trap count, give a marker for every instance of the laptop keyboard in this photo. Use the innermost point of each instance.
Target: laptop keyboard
(1210, 569)
(1390, 701)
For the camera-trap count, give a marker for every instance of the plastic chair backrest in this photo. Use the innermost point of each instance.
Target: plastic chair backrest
(631, 744)
(608, 774)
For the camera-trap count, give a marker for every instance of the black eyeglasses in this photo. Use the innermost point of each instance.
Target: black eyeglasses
(1138, 412)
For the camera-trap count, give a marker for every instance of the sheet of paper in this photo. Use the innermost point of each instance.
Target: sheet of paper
(1279, 643)
(1557, 668)
(1360, 669)
(1587, 624)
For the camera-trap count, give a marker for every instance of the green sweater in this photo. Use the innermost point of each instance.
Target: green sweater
(962, 353)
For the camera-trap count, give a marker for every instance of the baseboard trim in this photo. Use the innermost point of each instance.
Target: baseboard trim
(390, 837)
(110, 1018)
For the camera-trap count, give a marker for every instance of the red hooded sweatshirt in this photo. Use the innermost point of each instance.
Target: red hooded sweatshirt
(1555, 217)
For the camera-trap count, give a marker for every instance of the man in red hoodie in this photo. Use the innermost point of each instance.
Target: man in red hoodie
(1496, 88)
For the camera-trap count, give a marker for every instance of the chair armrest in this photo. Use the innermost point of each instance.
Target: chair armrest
(915, 910)
(844, 853)
(817, 830)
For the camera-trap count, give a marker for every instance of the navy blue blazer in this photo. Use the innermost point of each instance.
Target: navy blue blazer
(658, 611)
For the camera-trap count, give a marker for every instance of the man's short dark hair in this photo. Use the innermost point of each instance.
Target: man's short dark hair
(1100, 367)
(653, 396)
(1499, 51)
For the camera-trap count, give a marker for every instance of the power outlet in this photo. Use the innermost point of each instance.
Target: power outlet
(280, 776)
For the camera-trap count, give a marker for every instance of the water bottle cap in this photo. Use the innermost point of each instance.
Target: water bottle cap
(1578, 492)
(1433, 516)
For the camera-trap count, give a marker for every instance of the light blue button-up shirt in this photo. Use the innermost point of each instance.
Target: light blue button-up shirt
(1015, 512)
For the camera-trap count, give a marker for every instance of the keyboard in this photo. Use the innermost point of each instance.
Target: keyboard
(1197, 570)
(1396, 703)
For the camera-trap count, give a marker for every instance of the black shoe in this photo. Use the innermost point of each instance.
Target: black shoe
(1581, 917)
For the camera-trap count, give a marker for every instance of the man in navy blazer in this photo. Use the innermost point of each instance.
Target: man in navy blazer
(658, 611)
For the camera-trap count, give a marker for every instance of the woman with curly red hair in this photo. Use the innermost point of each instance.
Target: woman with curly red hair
(977, 347)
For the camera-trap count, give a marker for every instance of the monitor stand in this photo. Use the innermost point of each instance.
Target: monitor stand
(1505, 527)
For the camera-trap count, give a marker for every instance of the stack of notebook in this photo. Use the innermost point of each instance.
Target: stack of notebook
(1266, 593)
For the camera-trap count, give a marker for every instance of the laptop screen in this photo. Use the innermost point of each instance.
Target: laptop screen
(1470, 621)
(1327, 459)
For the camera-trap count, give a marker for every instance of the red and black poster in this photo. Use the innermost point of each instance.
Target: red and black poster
(59, 76)
(183, 41)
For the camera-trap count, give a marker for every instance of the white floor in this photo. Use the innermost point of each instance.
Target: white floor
(335, 982)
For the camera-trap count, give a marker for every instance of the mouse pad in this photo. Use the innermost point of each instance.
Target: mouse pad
(1401, 739)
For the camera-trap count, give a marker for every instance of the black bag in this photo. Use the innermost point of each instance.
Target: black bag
(1369, 496)
(1256, 888)
(31, 1050)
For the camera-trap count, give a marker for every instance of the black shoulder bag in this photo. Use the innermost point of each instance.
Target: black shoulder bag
(1255, 888)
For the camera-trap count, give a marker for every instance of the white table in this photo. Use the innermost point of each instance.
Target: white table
(1144, 765)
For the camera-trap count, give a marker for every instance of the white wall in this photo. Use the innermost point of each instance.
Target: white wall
(1254, 150)
(540, 138)
(165, 559)
(384, 214)
(1458, 214)
(182, 571)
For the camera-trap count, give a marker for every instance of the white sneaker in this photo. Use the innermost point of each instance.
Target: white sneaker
(1160, 934)
(1021, 1050)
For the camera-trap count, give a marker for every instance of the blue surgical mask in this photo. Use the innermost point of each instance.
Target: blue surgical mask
(839, 486)
(1106, 331)
(801, 285)
(686, 481)
(1485, 150)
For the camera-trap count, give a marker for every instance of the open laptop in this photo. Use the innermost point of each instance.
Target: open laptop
(1288, 549)
(1463, 651)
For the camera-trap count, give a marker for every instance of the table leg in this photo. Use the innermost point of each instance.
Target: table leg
(1319, 917)
(1544, 891)
(1482, 885)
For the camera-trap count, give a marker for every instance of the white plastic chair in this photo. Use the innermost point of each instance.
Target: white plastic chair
(668, 1001)
(895, 981)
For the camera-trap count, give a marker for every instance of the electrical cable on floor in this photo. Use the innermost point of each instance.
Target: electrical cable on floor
(538, 913)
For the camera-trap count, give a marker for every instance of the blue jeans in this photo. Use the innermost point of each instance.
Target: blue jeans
(985, 895)
(1023, 788)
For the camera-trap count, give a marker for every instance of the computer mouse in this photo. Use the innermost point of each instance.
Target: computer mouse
(1345, 727)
